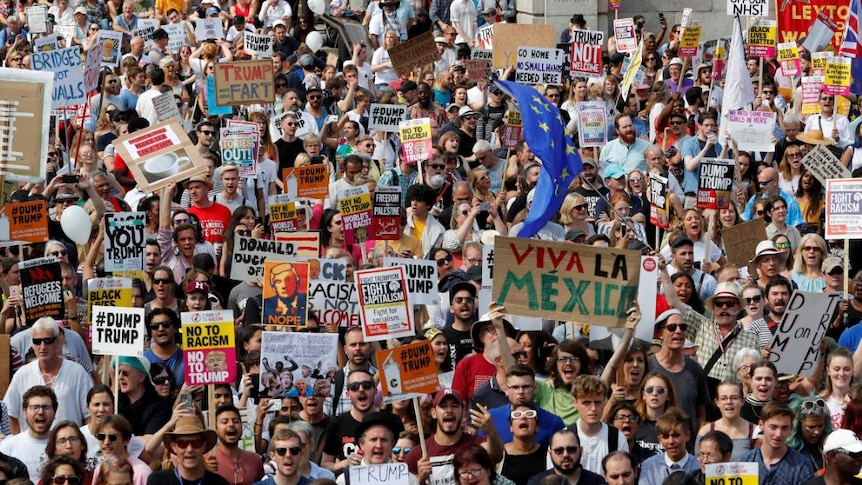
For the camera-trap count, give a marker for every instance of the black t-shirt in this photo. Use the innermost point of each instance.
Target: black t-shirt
(519, 468)
(821, 480)
(465, 146)
(338, 440)
(460, 344)
(169, 477)
(591, 197)
(287, 153)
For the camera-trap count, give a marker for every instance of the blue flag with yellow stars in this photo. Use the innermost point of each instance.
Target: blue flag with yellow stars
(545, 134)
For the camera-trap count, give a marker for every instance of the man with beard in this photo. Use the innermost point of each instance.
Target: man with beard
(564, 451)
(163, 325)
(425, 107)
(289, 145)
(449, 437)
(357, 352)
(246, 467)
(339, 443)
(315, 107)
(462, 302)
(842, 454)
(778, 464)
(591, 186)
(39, 408)
(466, 121)
(521, 389)
(492, 393)
(409, 91)
(627, 150)
(284, 43)
(778, 292)
(682, 260)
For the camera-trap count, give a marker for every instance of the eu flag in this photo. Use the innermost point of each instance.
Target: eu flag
(544, 133)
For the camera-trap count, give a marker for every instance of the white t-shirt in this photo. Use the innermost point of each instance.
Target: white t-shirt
(463, 13)
(145, 106)
(29, 450)
(70, 385)
(595, 448)
(94, 454)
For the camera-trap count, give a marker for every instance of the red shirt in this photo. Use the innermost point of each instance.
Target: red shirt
(471, 373)
(214, 221)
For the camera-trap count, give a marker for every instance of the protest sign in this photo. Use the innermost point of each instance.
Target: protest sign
(145, 30)
(539, 66)
(481, 54)
(762, 38)
(836, 79)
(118, 331)
(824, 165)
(732, 473)
(43, 289)
(159, 155)
(417, 51)
(334, 303)
(307, 243)
(354, 204)
(487, 267)
(383, 302)
(92, 65)
(633, 71)
(209, 29)
(24, 222)
(386, 214)
(386, 117)
(477, 69)
(209, 348)
(108, 292)
(690, 39)
(68, 75)
(740, 242)
(485, 37)
(259, 45)
(176, 36)
(47, 43)
(592, 124)
(715, 183)
(818, 62)
(822, 32)
(513, 129)
(237, 146)
(66, 32)
(283, 218)
(244, 82)
(382, 474)
(604, 338)
(797, 20)
(310, 182)
(795, 348)
(212, 107)
(125, 241)
(285, 293)
(421, 276)
(560, 280)
(658, 206)
(624, 29)
(586, 53)
(748, 8)
(752, 130)
(811, 87)
(250, 254)
(408, 371)
(416, 140)
(166, 107)
(719, 60)
(508, 38)
(788, 58)
(37, 19)
(297, 364)
(112, 41)
(844, 209)
(326, 269)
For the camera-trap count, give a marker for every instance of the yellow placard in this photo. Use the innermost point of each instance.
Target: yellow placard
(842, 105)
(837, 74)
(787, 51)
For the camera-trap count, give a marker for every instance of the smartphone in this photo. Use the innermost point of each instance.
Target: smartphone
(188, 401)
(661, 15)
(484, 207)
(255, 387)
(70, 179)
(623, 230)
(332, 119)
(14, 292)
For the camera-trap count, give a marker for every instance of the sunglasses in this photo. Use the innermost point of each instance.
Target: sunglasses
(183, 444)
(655, 390)
(519, 355)
(676, 123)
(52, 154)
(442, 261)
(397, 450)
(290, 124)
(836, 272)
(207, 132)
(314, 97)
(294, 451)
(47, 341)
(177, 222)
(753, 299)
(111, 437)
(355, 386)
(672, 327)
(463, 299)
(565, 449)
(161, 281)
(844, 452)
(157, 325)
(580, 207)
(724, 303)
(783, 245)
(161, 380)
(281, 85)
(61, 252)
(437, 166)
(811, 405)
(60, 480)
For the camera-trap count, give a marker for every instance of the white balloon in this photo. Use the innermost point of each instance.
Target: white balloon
(317, 6)
(314, 41)
(76, 224)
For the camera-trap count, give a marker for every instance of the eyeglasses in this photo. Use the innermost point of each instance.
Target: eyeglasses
(765, 182)
(813, 405)
(365, 385)
(810, 248)
(782, 245)
(471, 471)
(177, 222)
(281, 85)
(828, 100)
(294, 451)
(52, 154)
(444, 260)
(724, 303)
(565, 449)
(315, 97)
(463, 299)
(672, 327)
(655, 390)
(635, 179)
(290, 124)
(17, 59)
(40, 407)
(529, 414)
(61, 252)
(243, 232)
(183, 443)
(161, 380)
(729, 398)
(627, 418)
(768, 91)
(161, 281)
(676, 122)
(157, 325)
(844, 452)
(47, 341)
(794, 155)
(60, 480)
(111, 437)
(70, 440)
(397, 450)
(567, 358)
(580, 207)
(753, 299)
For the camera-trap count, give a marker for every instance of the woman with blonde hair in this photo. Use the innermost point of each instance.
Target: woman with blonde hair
(790, 169)
(808, 261)
(381, 65)
(573, 214)
(266, 142)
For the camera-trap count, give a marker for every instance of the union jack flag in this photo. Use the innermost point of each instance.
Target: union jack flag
(850, 45)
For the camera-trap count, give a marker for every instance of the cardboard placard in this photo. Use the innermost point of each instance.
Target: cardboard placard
(752, 130)
(92, 65)
(42, 286)
(740, 242)
(592, 124)
(383, 302)
(477, 69)
(68, 72)
(244, 82)
(257, 45)
(658, 207)
(297, 364)
(334, 303)
(66, 32)
(417, 51)
(762, 38)
(250, 254)
(824, 165)
(125, 241)
(603, 338)
(795, 347)
(715, 184)
(748, 8)
(209, 348)
(383, 474)
(24, 222)
(118, 331)
(586, 53)
(416, 141)
(509, 37)
(285, 293)
(560, 280)
(159, 155)
(539, 66)
(822, 31)
(408, 371)
(844, 209)
(166, 107)
(310, 182)
(212, 108)
(37, 19)
(421, 277)
(386, 214)
(386, 117)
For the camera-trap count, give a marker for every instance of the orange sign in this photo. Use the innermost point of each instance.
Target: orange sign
(24, 222)
(285, 293)
(407, 371)
(311, 182)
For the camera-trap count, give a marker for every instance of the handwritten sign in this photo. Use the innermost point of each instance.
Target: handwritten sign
(386, 214)
(257, 45)
(386, 117)
(417, 51)
(43, 289)
(24, 222)
(592, 124)
(250, 254)
(559, 280)
(844, 209)
(586, 53)
(752, 130)
(118, 331)
(408, 371)
(244, 82)
(166, 107)
(68, 75)
(508, 38)
(145, 30)
(92, 65)
(334, 303)
(383, 474)
(213, 108)
(37, 19)
(125, 241)
(421, 279)
(176, 36)
(715, 183)
(477, 69)
(383, 302)
(416, 139)
(209, 348)
(824, 165)
(795, 348)
(539, 66)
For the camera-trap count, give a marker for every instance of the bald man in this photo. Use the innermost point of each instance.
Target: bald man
(767, 181)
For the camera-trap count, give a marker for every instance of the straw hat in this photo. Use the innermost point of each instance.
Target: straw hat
(188, 426)
(814, 137)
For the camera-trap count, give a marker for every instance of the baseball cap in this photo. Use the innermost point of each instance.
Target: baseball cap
(843, 439)
(450, 393)
(614, 171)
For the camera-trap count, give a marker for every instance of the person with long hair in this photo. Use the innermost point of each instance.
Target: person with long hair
(785, 261)
(659, 97)
(67, 440)
(853, 413)
(381, 65)
(656, 395)
(729, 403)
(762, 379)
(568, 360)
(474, 466)
(811, 201)
(839, 376)
(242, 224)
(748, 171)
(64, 469)
(577, 93)
(790, 169)
(442, 361)
(686, 291)
(332, 236)
(538, 344)
(852, 156)
(693, 227)
(627, 380)
(777, 208)
(810, 428)
(755, 302)
(266, 143)
(808, 262)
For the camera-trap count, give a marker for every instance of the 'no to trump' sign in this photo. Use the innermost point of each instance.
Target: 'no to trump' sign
(209, 351)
